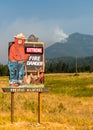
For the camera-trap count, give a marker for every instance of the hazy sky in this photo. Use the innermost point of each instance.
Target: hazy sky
(50, 20)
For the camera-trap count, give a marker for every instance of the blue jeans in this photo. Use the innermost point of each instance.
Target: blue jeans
(16, 72)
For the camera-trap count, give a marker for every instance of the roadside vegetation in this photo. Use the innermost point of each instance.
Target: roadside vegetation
(67, 106)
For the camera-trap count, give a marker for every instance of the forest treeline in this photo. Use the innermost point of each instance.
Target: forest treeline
(4, 70)
(61, 65)
(69, 65)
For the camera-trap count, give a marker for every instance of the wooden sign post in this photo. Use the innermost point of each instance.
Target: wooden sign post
(12, 107)
(38, 90)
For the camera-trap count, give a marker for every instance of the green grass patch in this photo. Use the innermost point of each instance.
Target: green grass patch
(68, 84)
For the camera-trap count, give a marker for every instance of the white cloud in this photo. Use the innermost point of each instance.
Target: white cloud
(59, 34)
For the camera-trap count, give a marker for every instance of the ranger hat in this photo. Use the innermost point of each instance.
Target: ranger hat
(20, 35)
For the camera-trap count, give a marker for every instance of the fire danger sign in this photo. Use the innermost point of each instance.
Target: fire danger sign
(36, 58)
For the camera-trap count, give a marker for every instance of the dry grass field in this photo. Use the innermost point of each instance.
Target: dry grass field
(67, 106)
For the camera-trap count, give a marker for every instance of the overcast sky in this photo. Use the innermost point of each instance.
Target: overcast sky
(50, 20)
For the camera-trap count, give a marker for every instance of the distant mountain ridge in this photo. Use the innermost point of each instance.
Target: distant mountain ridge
(76, 44)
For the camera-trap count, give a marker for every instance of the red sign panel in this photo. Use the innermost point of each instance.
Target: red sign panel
(34, 50)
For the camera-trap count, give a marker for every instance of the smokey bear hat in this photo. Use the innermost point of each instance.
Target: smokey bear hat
(20, 35)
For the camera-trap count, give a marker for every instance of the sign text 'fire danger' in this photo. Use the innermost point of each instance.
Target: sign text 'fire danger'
(35, 60)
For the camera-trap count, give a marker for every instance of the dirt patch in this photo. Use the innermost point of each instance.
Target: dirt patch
(37, 126)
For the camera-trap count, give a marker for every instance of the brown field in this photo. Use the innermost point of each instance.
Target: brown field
(59, 111)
